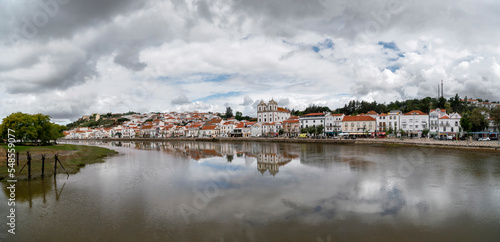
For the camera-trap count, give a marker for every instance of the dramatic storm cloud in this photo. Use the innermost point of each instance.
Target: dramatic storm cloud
(67, 58)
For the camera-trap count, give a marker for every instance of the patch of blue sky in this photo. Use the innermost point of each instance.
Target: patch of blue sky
(216, 77)
(196, 77)
(389, 45)
(326, 44)
(219, 95)
(392, 68)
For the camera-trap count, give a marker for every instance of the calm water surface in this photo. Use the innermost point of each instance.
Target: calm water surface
(196, 191)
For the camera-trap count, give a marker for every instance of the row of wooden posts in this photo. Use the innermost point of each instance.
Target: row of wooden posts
(28, 162)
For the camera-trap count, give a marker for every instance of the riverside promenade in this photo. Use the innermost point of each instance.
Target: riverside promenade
(423, 142)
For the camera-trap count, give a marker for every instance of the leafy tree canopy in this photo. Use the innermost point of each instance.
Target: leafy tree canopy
(35, 128)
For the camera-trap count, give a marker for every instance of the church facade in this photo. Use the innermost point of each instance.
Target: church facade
(271, 113)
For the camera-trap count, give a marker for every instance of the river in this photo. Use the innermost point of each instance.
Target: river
(253, 191)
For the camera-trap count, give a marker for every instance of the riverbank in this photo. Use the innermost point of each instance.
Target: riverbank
(72, 157)
(423, 142)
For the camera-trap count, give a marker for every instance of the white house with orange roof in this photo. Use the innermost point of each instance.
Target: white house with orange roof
(434, 118)
(270, 112)
(193, 129)
(333, 123)
(382, 122)
(210, 131)
(358, 125)
(414, 122)
(227, 128)
(312, 120)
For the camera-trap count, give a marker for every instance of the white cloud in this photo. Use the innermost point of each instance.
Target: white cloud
(129, 56)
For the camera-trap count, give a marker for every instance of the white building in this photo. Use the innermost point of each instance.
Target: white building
(434, 117)
(394, 120)
(333, 123)
(358, 125)
(312, 120)
(414, 122)
(268, 113)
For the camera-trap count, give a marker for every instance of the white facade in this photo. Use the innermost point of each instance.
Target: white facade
(312, 120)
(394, 120)
(414, 122)
(268, 113)
(333, 123)
(434, 117)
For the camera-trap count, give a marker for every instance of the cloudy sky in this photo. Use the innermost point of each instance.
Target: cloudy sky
(68, 58)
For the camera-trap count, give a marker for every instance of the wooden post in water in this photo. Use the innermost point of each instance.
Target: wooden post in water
(17, 158)
(55, 165)
(29, 165)
(43, 165)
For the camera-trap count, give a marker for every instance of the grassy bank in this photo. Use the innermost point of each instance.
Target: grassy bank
(73, 157)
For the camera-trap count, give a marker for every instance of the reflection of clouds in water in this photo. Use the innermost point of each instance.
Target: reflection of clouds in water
(322, 183)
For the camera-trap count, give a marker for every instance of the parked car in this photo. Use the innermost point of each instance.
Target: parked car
(484, 139)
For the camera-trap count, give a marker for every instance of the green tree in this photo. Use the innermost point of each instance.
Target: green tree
(465, 123)
(478, 121)
(456, 104)
(425, 132)
(389, 131)
(229, 112)
(239, 115)
(319, 129)
(495, 115)
(35, 128)
(441, 103)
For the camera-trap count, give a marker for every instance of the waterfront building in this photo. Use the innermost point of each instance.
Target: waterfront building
(312, 120)
(358, 125)
(414, 122)
(333, 123)
(434, 116)
(270, 112)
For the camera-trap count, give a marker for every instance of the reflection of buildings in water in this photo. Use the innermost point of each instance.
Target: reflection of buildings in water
(269, 156)
(271, 162)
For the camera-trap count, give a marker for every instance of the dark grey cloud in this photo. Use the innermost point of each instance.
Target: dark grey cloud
(79, 43)
(181, 99)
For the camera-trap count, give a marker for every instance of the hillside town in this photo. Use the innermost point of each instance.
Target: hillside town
(273, 120)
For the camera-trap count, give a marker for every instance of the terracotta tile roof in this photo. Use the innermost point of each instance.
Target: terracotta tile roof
(291, 121)
(337, 114)
(372, 113)
(383, 114)
(442, 110)
(415, 112)
(282, 110)
(313, 114)
(445, 117)
(209, 127)
(358, 118)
